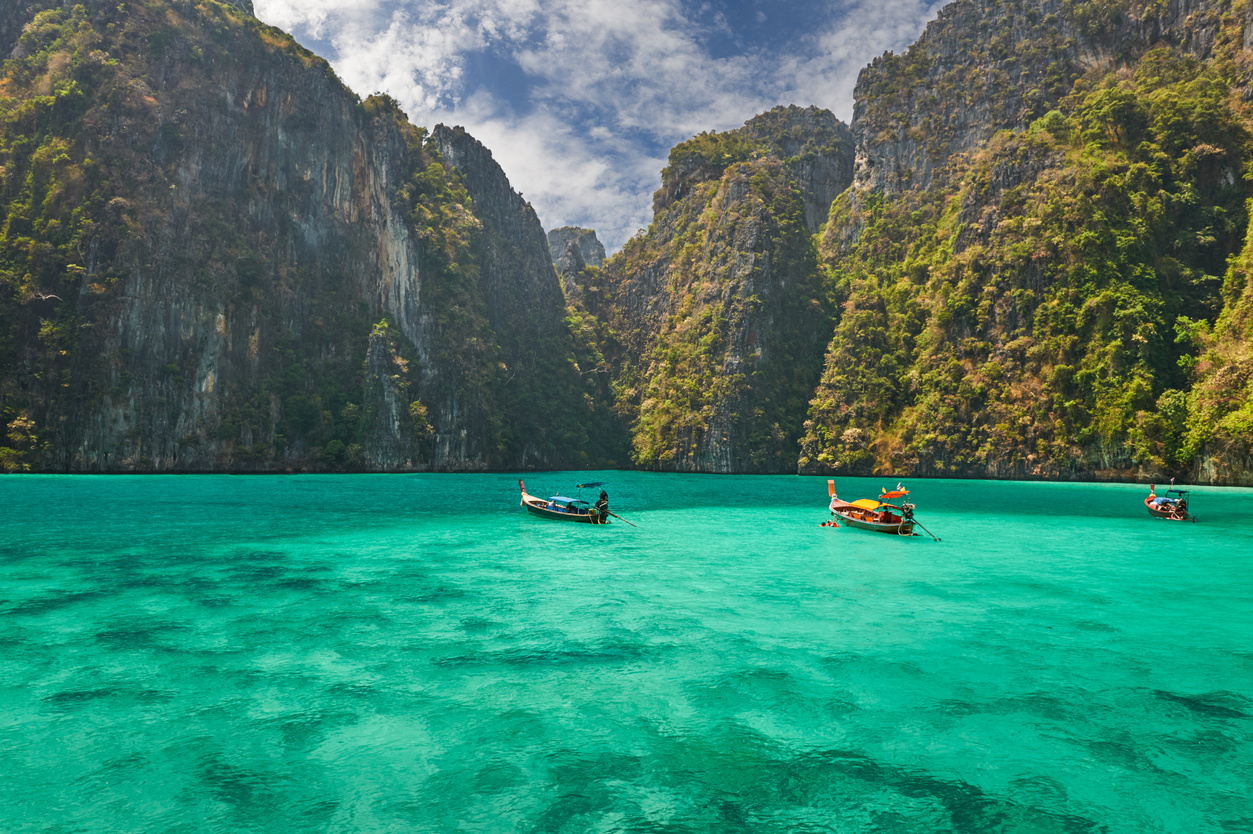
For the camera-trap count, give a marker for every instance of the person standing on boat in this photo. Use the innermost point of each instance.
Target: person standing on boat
(602, 507)
(831, 522)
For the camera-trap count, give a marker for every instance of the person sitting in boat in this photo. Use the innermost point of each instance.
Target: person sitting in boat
(1155, 502)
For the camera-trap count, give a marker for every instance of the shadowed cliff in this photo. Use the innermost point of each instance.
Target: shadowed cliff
(215, 256)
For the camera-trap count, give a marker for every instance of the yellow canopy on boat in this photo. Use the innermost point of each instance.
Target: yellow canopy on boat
(866, 503)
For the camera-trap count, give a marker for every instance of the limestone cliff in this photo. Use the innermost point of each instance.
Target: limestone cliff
(988, 65)
(550, 409)
(1030, 261)
(213, 257)
(243, 266)
(590, 250)
(719, 309)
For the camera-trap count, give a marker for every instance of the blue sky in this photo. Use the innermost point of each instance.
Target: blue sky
(580, 101)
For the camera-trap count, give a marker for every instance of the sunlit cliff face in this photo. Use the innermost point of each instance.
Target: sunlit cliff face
(215, 255)
(240, 284)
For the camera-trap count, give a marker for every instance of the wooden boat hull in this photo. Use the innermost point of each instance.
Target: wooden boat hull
(1166, 515)
(878, 520)
(876, 515)
(553, 515)
(539, 507)
(900, 528)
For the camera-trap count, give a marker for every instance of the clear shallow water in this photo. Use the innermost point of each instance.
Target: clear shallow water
(415, 653)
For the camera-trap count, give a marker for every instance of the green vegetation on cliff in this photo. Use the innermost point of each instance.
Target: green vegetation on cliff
(1038, 318)
(737, 353)
(94, 165)
(1219, 407)
(721, 308)
(214, 256)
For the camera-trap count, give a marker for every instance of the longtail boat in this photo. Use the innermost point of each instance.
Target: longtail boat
(1172, 506)
(561, 508)
(876, 514)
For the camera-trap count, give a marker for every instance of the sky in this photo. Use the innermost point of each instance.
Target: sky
(580, 101)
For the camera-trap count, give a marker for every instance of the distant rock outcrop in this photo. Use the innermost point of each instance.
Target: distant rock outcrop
(815, 147)
(720, 309)
(590, 250)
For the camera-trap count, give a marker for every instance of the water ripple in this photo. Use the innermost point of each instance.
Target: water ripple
(313, 654)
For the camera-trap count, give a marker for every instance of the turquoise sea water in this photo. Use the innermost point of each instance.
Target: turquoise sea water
(415, 653)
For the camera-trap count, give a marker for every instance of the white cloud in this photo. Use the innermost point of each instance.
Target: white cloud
(313, 16)
(568, 178)
(640, 61)
(421, 66)
(826, 74)
(612, 85)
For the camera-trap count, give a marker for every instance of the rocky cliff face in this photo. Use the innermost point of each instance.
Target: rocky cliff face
(214, 257)
(551, 413)
(590, 250)
(228, 228)
(1017, 301)
(817, 150)
(815, 147)
(720, 310)
(987, 65)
